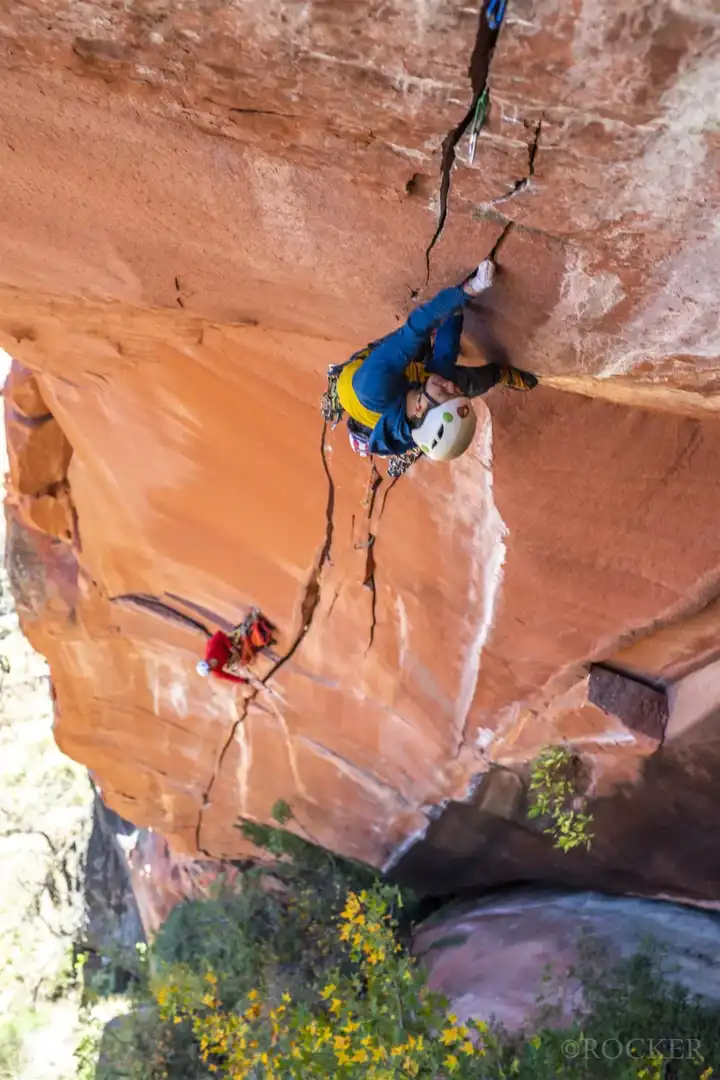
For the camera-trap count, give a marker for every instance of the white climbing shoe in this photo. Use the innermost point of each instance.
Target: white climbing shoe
(481, 280)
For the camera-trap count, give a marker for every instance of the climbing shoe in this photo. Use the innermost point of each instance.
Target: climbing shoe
(515, 379)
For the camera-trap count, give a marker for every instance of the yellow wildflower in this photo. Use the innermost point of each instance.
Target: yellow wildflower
(286, 998)
(328, 991)
(449, 1036)
(253, 995)
(341, 1042)
(336, 1006)
(467, 1047)
(451, 1062)
(352, 907)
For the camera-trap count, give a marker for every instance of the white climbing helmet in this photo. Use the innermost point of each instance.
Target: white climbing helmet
(446, 430)
(202, 667)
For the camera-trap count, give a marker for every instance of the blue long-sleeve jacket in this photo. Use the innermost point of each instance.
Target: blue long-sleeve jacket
(381, 384)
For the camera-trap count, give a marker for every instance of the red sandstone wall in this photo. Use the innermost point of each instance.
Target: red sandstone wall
(203, 207)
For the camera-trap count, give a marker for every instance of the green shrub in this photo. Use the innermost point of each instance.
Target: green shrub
(554, 795)
(11, 1050)
(304, 972)
(373, 1017)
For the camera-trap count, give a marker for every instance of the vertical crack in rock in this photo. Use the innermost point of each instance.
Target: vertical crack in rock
(369, 583)
(369, 580)
(371, 565)
(311, 598)
(309, 605)
(478, 70)
(495, 251)
(521, 184)
(216, 772)
(447, 161)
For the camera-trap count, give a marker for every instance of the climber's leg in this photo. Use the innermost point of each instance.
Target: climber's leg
(475, 381)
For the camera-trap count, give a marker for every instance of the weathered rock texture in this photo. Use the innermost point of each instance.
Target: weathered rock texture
(499, 956)
(204, 205)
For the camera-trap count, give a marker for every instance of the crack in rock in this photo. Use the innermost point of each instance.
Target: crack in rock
(370, 566)
(159, 607)
(478, 70)
(308, 608)
(524, 182)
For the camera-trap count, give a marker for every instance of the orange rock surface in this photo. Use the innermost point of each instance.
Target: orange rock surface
(203, 206)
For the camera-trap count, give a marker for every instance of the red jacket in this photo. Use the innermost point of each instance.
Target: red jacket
(220, 648)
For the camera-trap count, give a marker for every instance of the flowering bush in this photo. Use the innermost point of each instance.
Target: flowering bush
(278, 980)
(375, 1019)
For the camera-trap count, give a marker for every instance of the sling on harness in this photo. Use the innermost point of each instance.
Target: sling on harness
(340, 399)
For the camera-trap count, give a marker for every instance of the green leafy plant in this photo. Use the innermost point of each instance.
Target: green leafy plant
(373, 1017)
(370, 1016)
(554, 795)
(304, 971)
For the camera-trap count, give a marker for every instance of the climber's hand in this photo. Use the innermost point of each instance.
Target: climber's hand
(481, 280)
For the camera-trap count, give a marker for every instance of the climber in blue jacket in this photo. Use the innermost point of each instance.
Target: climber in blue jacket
(407, 390)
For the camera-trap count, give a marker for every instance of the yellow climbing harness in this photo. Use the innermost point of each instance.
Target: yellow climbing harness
(415, 372)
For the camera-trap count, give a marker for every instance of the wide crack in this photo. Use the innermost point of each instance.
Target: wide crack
(478, 69)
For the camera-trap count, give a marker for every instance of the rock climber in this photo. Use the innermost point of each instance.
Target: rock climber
(406, 392)
(237, 649)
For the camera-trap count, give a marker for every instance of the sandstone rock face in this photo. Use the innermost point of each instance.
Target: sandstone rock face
(497, 957)
(161, 879)
(206, 205)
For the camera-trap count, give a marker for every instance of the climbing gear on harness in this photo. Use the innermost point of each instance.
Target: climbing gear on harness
(250, 636)
(203, 668)
(359, 437)
(340, 399)
(481, 280)
(330, 406)
(398, 464)
(447, 430)
(335, 402)
(515, 379)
